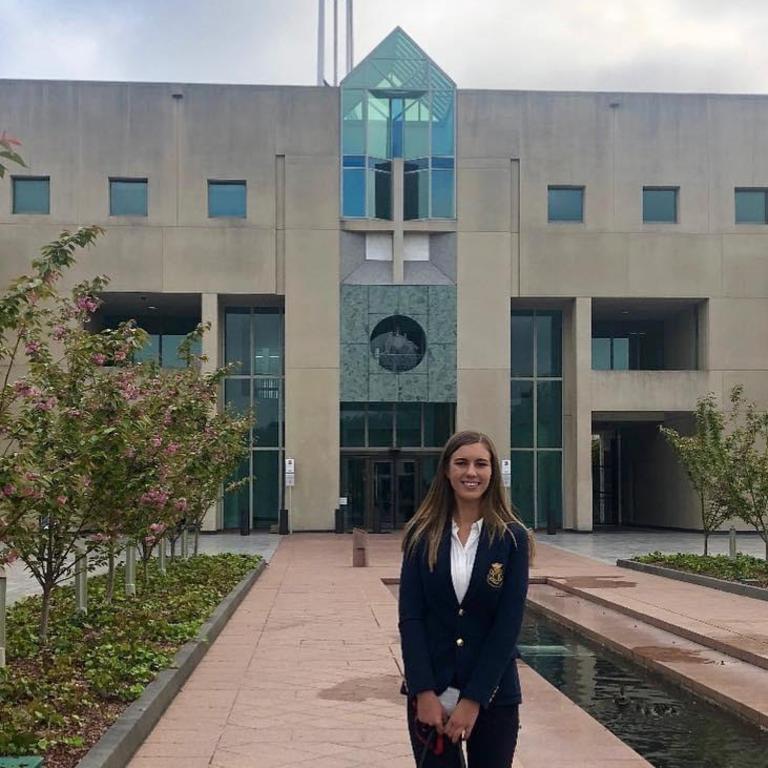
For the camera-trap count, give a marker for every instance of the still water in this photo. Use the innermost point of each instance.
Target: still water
(667, 726)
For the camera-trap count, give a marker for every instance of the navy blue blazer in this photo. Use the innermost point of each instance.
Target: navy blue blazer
(471, 646)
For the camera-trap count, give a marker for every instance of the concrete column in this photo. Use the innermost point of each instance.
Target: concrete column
(484, 271)
(577, 415)
(209, 313)
(398, 237)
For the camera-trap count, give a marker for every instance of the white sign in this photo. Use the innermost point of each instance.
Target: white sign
(290, 480)
(506, 466)
(290, 466)
(342, 501)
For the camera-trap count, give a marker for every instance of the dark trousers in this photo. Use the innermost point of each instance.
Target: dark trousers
(490, 745)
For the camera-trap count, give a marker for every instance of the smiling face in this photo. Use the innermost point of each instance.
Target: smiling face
(469, 472)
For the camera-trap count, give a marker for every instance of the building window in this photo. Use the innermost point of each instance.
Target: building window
(660, 205)
(398, 343)
(127, 197)
(396, 425)
(751, 205)
(565, 203)
(628, 346)
(226, 199)
(32, 194)
(165, 336)
(253, 346)
(536, 416)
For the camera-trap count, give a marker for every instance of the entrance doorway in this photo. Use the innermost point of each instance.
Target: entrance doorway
(383, 490)
(606, 477)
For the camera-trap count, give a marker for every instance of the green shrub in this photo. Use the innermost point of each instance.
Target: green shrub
(740, 568)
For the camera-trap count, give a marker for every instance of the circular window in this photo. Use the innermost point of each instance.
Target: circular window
(398, 343)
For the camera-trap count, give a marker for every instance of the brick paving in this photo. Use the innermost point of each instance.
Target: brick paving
(307, 671)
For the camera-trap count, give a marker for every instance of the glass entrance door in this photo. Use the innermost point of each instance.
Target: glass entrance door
(382, 492)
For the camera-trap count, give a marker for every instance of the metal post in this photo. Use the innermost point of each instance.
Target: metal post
(81, 579)
(161, 557)
(184, 543)
(350, 39)
(2, 615)
(732, 543)
(320, 41)
(130, 569)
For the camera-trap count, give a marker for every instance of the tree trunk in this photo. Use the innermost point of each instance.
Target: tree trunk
(706, 543)
(110, 574)
(45, 613)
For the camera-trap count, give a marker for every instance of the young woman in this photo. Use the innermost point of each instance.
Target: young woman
(462, 593)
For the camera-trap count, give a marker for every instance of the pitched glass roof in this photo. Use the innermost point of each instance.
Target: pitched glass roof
(398, 64)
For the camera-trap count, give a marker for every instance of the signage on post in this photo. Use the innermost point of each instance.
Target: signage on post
(506, 473)
(290, 472)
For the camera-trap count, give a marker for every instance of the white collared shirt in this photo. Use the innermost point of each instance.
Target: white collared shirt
(463, 558)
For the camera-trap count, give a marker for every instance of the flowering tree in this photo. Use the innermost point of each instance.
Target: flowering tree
(8, 153)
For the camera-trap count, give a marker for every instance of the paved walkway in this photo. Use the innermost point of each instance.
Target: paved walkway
(307, 673)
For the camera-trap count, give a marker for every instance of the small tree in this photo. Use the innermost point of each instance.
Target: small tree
(706, 458)
(748, 492)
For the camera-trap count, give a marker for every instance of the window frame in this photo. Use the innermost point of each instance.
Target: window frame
(21, 178)
(129, 180)
(562, 188)
(227, 183)
(661, 188)
(761, 190)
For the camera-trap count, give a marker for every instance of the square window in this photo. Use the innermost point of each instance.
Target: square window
(565, 203)
(226, 199)
(127, 197)
(32, 194)
(660, 205)
(751, 206)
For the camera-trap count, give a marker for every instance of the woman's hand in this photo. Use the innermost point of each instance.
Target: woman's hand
(462, 721)
(429, 710)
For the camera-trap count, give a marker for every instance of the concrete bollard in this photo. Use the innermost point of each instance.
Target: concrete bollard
(81, 580)
(732, 543)
(130, 570)
(359, 548)
(2, 615)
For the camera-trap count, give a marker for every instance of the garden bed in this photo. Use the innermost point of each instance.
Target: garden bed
(58, 701)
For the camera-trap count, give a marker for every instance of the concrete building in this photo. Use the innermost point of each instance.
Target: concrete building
(395, 258)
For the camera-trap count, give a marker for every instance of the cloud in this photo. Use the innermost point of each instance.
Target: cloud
(654, 45)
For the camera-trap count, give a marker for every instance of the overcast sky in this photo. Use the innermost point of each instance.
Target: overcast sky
(638, 45)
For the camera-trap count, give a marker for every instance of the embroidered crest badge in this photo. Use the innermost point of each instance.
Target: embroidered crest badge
(495, 575)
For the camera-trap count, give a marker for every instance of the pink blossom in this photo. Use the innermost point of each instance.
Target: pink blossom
(31, 493)
(9, 489)
(155, 441)
(32, 348)
(86, 304)
(32, 298)
(98, 538)
(9, 557)
(180, 504)
(46, 405)
(59, 332)
(155, 497)
(31, 476)
(167, 418)
(172, 448)
(120, 355)
(86, 481)
(129, 453)
(61, 500)
(6, 138)
(157, 528)
(98, 358)
(150, 540)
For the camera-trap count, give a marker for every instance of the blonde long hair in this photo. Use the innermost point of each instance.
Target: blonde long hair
(437, 508)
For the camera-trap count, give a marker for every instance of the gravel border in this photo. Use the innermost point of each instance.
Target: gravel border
(745, 590)
(121, 740)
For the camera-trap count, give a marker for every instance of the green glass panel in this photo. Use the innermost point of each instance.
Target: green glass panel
(265, 488)
(566, 203)
(442, 122)
(227, 199)
(751, 206)
(378, 127)
(128, 197)
(380, 425)
(353, 486)
(601, 354)
(237, 395)
(266, 404)
(169, 350)
(237, 502)
(353, 121)
(549, 414)
(521, 489)
(442, 195)
(522, 414)
(268, 343)
(31, 195)
(660, 205)
(522, 344)
(150, 352)
(353, 193)
(416, 195)
(549, 351)
(549, 482)
(620, 359)
(352, 425)
(408, 422)
(416, 129)
(438, 424)
(381, 194)
(237, 340)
